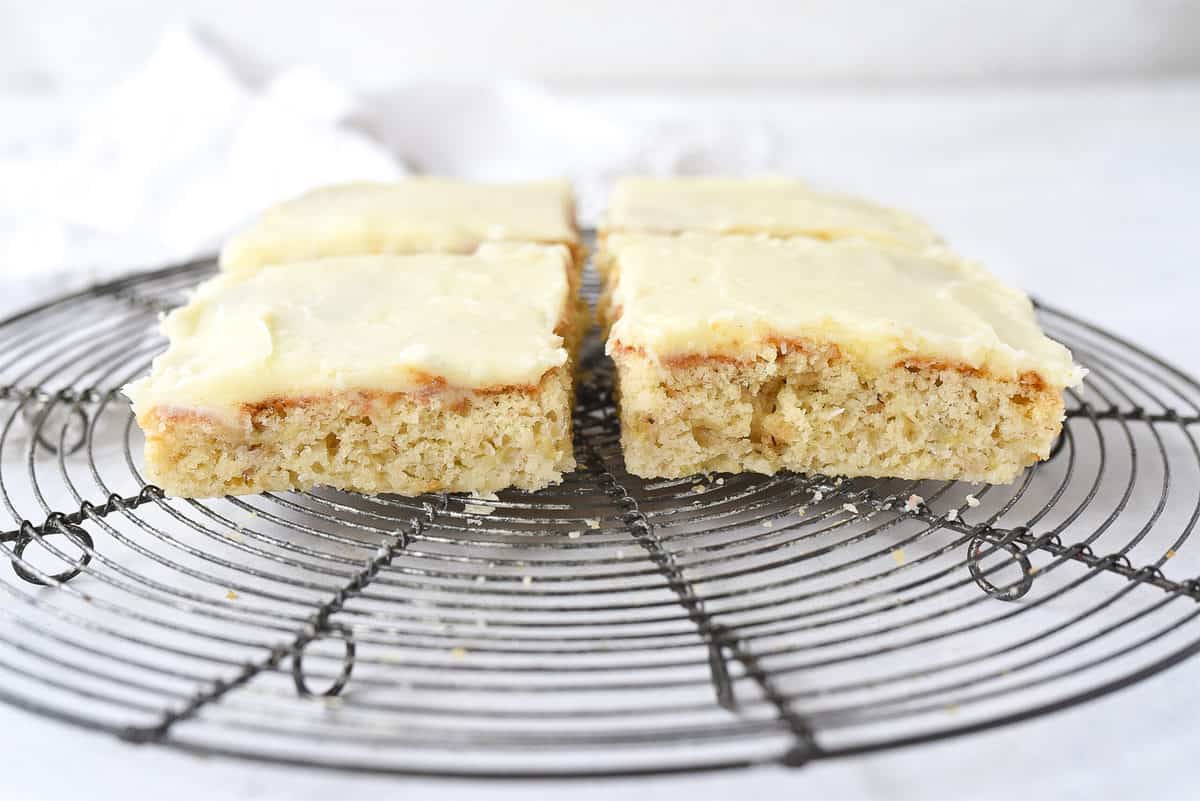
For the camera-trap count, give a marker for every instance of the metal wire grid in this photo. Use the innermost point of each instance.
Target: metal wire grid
(607, 626)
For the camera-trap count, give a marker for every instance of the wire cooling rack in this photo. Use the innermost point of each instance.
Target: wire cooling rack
(606, 626)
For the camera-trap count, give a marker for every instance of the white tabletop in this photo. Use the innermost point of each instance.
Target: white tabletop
(1085, 196)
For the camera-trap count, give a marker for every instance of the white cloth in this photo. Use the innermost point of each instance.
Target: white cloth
(175, 158)
(169, 162)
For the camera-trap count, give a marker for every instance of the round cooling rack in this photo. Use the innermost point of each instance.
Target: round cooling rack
(609, 625)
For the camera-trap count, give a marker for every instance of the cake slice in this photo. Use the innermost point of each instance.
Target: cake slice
(779, 207)
(752, 353)
(416, 215)
(406, 374)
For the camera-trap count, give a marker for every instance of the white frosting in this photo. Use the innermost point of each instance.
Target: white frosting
(728, 295)
(775, 206)
(383, 323)
(417, 215)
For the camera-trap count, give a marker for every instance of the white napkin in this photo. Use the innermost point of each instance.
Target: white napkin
(168, 163)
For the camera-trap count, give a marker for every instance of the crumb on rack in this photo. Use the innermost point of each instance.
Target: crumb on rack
(527, 580)
(913, 503)
(231, 595)
(952, 515)
(898, 556)
(972, 501)
(768, 524)
(592, 522)
(478, 509)
(851, 508)
(574, 534)
(458, 652)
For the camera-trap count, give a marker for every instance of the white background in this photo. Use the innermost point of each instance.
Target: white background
(52, 44)
(1059, 142)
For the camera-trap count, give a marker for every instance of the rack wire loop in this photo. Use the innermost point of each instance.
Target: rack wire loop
(54, 525)
(36, 416)
(339, 632)
(1018, 556)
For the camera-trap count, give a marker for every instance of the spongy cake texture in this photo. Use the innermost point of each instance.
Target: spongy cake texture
(370, 442)
(810, 409)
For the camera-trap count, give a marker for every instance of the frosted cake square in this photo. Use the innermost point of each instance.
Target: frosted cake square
(752, 353)
(406, 374)
(415, 215)
(780, 207)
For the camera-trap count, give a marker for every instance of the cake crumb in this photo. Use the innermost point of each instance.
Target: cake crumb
(818, 496)
(697, 488)
(851, 508)
(768, 524)
(720, 482)
(574, 535)
(527, 580)
(620, 553)
(480, 578)
(972, 501)
(458, 653)
(478, 509)
(913, 503)
(801, 510)
(592, 523)
(231, 595)
(952, 515)
(898, 556)
(1171, 554)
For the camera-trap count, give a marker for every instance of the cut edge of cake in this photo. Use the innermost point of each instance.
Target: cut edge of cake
(805, 406)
